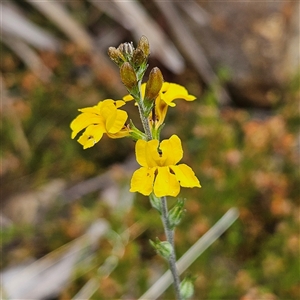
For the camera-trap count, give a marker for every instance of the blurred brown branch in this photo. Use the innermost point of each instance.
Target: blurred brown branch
(192, 49)
(20, 140)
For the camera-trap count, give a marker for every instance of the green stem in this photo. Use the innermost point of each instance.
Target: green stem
(146, 124)
(145, 121)
(170, 238)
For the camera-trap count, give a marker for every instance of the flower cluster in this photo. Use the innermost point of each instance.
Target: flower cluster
(160, 172)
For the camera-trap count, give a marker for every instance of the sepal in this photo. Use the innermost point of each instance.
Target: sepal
(156, 131)
(135, 133)
(155, 202)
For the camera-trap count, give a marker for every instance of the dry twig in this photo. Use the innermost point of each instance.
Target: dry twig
(191, 48)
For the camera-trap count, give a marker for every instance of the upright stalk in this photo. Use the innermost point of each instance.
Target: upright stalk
(145, 121)
(145, 124)
(170, 238)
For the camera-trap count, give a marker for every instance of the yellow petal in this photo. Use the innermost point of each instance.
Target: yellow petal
(185, 175)
(143, 89)
(115, 122)
(120, 134)
(172, 91)
(107, 107)
(140, 152)
(91, 110)
(86, 141)
(153, 157)
(119, 103)
(91, 136)
(142, 181)
(116, 103)
(166, 183)
(106, 102)
(171, 150)
(161, 109)
(147, 153)
(114, 118)
(127, 98)
(84, 120)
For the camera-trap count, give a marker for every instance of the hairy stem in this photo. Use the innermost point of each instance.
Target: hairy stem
(145, 121)
(170, 238)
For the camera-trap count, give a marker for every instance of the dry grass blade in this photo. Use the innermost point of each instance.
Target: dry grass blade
(111, 262)
(28, 56)
(132, 16)
(14, 24)
(20, 140)
(60, 17)
(48, 275)
(191, 48)
(101, 182)
(196, 12)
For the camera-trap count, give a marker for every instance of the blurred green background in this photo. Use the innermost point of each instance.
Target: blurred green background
(241, 137)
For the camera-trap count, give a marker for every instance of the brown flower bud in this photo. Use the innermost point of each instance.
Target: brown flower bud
(127, 49)
(138, 57)
(144, 45)
(128, 75)
(154, 84)
(116, 55)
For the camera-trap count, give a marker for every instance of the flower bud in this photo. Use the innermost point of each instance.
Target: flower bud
(154, 84)
(187, 288)
(176, 213)
(127, 50)
(162, 248)
(138, 57)
(116, 56)
(144, 45)
(128, 76)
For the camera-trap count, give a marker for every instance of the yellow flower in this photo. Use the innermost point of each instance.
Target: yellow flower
(159, 172)
(105, 117)
(168, 93)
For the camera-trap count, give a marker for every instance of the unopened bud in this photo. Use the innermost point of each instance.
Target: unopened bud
(176, 213)
(187, 288)
(128, 76)
(116, 55)
(154, 84)
(144, 45)
(127, 49)
(162, 248)
(138, 57)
